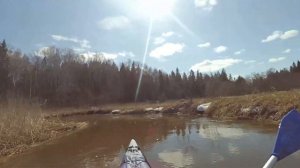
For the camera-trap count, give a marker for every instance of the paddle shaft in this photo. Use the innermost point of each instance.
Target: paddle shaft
(271, 162)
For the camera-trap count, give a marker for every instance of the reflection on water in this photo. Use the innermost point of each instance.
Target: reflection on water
(166, 142)
(233, 149)
(216, 157)
(215, 132)
(177, 158)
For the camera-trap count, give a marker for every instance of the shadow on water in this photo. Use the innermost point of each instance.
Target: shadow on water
(166, 142)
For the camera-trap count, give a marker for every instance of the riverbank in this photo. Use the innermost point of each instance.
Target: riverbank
(269, 107)
(23, 126)
(177, 107)
(264, 106)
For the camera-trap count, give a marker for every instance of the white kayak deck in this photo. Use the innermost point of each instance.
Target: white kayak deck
(134, 157)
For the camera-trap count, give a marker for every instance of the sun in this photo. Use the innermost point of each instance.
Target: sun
(155, 9)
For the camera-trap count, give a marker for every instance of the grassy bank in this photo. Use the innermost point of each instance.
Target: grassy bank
(23, 125)
(270, 106)
(265, 106)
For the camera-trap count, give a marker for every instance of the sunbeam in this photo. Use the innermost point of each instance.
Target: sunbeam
(182, 25)
(144, 60)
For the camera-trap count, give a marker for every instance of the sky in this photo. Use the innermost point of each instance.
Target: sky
(241, 36)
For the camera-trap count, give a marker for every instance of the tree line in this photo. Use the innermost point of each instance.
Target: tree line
(61, 77)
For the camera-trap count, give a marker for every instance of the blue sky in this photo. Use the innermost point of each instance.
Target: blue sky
(242, 36)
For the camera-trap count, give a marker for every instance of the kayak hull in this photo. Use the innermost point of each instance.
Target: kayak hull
(142, 165)
(133, 157)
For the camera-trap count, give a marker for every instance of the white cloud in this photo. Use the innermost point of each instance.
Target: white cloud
(220, 49)
(83, 43)
(289, 34)
(116, 55)
(287, 51)
(204, 45)
(280, 35)
(275, 35)
(162, 38)
(159, 40)
(239, 52)
(63, 38)
(167, 34)
(102, 55)
(78, 50)
(250, 61)
(214, 65)
(89, 55)
(206, 4)
(126, 54)
(105, 55)
(117, 22)
(277, 59)
(109, 55)
(41, 52)
(166, 50)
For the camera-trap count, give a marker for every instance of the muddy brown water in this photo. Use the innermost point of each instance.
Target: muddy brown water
(167, 141)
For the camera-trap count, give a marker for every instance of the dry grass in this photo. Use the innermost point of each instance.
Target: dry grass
(269, 105)
(23, 125)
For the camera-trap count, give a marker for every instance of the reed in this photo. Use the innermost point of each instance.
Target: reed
(23, 124)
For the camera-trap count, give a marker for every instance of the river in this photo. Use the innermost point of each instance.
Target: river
(167, 141)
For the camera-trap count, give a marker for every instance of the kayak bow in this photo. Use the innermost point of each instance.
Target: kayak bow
(133, 157)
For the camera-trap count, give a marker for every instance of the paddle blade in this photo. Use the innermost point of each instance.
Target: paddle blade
(288, 137)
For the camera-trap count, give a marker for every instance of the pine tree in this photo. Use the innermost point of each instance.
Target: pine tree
(293, 67)
(161, 82)
(4, 62)
(223, 75)
(192, 84)
(298, 66)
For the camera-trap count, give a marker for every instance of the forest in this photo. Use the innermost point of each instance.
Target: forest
(62, 77)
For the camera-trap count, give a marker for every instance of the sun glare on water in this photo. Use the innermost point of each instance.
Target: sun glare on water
(156, 9)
